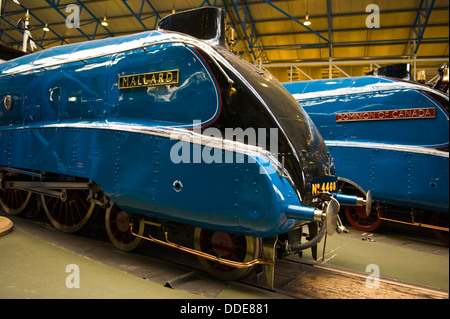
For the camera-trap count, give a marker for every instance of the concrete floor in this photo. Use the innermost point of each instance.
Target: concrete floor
(35, 262)
(34, 268)
(399, 252)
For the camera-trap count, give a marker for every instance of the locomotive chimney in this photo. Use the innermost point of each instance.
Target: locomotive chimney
(203, 23)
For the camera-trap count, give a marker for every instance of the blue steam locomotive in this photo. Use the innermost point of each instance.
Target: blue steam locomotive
(389, 136)
(171, 134)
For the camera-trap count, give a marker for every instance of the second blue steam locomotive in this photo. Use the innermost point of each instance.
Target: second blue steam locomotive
(389, 136)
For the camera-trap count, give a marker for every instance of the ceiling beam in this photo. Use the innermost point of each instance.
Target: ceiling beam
(139, 16)
(356, 61)
(95, 19)
(403, 26)
(241, 25)
(54, 5)
(23, 11)
(351, 43)
(330, 28)
(347, 14)
(296, 20)
(421, 21)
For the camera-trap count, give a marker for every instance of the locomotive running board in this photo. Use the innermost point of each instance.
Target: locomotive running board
(268, 252)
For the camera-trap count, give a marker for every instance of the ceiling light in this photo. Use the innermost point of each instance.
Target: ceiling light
(45, 28)
(104, 23)
(307, 22)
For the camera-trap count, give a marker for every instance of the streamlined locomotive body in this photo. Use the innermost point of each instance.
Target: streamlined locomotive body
(388, 136)
(166, 132)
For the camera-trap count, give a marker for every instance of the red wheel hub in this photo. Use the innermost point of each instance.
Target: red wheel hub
(358, 218)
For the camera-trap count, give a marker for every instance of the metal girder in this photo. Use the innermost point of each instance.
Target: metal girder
(242, 24)
(330, 27)
(21, 31)
(54, 4)
(420, 24)
(337, 65)
(330, 37)
(19, 42)
(95, 19)
(208, 3)
(139, 16)
(296, 20)
(351, 43)
(387, 27)
(357, 62)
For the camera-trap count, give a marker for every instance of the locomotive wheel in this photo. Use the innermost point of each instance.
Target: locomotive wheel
(358, 219)
(228, 246)
(118, 229)
(441, 219)
(14, 201)
(70, 213)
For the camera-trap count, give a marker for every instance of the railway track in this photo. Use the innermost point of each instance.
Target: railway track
(294, 278)
(322, 281)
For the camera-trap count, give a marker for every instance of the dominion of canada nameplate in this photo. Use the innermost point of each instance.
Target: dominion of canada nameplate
(149, 79)
(403, 114)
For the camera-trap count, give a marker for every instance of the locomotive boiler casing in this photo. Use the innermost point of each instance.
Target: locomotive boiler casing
(131, 113)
